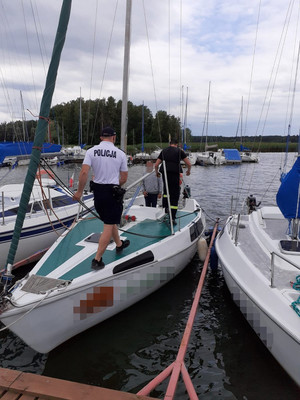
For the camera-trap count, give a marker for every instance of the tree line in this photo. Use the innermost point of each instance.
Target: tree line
(80, 121)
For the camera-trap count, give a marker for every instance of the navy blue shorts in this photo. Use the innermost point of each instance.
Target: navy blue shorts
(106, 205)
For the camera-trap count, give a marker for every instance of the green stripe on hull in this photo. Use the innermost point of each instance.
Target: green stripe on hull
(68, 247)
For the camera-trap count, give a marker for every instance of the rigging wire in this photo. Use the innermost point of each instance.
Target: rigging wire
(38, 37)
(92, 70)
(270, 88)
(252, 67)
(180, 54)
(152, 74)
(29, 55)
(275, 69)
(41, 36)
(105, 67)
(62, 184)
(169, 46)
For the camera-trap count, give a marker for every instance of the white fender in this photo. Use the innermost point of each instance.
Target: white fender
(202, 249)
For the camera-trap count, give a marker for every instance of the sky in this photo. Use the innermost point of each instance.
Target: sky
(224, 67)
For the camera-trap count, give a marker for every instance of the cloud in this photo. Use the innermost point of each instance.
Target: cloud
(189, 45)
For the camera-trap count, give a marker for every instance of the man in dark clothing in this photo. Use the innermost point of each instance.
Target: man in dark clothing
(172, 156)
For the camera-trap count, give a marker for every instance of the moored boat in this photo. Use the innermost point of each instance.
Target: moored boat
(49, 212)
(259, 253)
(63, 296)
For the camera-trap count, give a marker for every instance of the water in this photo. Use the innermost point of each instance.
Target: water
(225, 358)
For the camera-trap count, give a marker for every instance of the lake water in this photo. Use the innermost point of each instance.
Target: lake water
(225, 358)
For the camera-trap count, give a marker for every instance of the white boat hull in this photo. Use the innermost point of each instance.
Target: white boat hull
(248, 277)
(44, 321)
(210, 158)
(249, 157)
(41, 226)
(70, 311)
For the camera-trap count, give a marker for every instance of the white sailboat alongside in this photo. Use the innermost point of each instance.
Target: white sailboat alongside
(50, 211)
(62, 296)
(259, 254)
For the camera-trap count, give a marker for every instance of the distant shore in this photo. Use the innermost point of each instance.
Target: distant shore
(269, 147)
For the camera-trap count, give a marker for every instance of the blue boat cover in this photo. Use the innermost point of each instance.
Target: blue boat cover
(232, 155)
(243, 148)
(24, 148)
(288, 194)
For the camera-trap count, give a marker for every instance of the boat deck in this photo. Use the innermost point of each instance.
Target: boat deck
(149, 231)
(259, 252)
(17, 385)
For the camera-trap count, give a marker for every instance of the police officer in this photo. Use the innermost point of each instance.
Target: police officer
(110, 170)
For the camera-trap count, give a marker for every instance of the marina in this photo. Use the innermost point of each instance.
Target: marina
(224, 351)
(194, 298)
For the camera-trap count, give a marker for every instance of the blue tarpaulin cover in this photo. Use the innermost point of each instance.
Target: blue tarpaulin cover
(24, 148)
(232, 155)
(288, 194)
(243, 148)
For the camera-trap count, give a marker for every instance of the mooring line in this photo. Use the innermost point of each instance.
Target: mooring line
(178, 365)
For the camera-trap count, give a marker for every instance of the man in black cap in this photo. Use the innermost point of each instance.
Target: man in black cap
(172, 156)
(110, 170)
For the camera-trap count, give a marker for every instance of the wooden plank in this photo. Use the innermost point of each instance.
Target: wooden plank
(28, 397)
(56, 389)
(7, 377)
(12, 396)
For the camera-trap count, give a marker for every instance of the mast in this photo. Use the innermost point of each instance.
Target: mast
(80, 122)
(41, 129)
(25, 134)
(207, 114)
(242, 111)
(181, 113)
(143, 123)
(185, 119)
(124, 117)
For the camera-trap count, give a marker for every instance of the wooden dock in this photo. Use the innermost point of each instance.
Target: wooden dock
(17, 385)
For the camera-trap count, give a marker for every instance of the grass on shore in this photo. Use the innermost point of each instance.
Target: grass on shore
(270, 147)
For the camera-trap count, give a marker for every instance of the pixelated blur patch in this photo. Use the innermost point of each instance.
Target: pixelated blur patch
(98, 300)
(254, 316)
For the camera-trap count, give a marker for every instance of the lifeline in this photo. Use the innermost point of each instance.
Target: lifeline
(105, 153)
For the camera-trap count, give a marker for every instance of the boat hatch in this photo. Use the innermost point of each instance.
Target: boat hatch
(290, 246)
(196, 230)
(40, 284)
(134, 262)
(94, 238)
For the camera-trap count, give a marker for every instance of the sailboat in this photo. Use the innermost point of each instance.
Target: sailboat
(246, 154)
(259, 253)
(210, 155)
(75, 154)
(62, 296)
(50, 211)
(142, 156)
(190, 155)
(20, 152)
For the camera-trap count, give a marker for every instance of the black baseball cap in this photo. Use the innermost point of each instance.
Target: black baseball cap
(108, 131)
